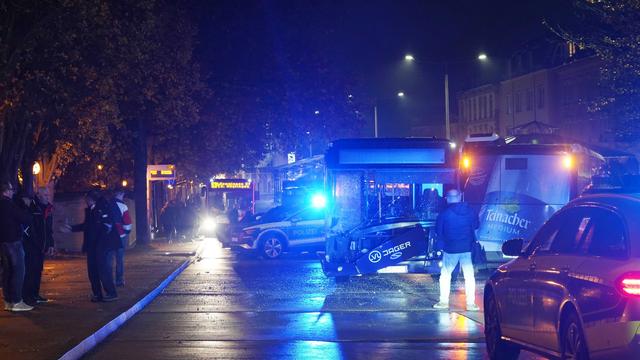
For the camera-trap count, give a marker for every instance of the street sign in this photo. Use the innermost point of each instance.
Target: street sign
(291, 158)
(161, 172)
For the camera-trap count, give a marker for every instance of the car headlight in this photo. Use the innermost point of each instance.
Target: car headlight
(208, 224)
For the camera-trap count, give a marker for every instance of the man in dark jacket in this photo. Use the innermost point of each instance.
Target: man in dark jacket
(456, 229)
(100, 237)
(38, 242)
(12, 221)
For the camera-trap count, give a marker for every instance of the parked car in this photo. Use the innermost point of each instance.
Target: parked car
(304, 230)
(574, 291)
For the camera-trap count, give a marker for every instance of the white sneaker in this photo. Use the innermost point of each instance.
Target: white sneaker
(441, 305)
(21, 306)
(8, 306)
(472, 307)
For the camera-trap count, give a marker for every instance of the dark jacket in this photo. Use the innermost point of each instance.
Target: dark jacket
(456, 228)
(98, 227)
(40, 233)
(42, 224)
(12, 218)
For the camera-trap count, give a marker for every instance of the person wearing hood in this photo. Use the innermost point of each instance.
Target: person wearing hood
(456, 229)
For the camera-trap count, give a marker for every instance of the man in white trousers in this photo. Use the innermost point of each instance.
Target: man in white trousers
(456, 230)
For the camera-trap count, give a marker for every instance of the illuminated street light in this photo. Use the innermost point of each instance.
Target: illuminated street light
(482, 57)
(100, 166)
(400, 94)
(317, 112)
(125, 183)
(36, 168)
(409, 57)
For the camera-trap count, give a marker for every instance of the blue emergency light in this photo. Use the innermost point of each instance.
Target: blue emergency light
(318, 201)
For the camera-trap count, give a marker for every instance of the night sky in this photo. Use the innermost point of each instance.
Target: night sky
(320, 51)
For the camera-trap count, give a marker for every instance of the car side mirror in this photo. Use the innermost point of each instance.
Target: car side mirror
(513, 247)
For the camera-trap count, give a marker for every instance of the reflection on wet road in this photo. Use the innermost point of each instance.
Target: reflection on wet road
(242, 308)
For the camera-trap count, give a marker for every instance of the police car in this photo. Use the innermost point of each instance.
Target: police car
(574, 290)
(304, 230)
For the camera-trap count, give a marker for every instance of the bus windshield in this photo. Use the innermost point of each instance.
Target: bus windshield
(370, 196)
(387, 180)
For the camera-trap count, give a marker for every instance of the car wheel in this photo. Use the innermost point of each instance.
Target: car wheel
(572, 340)
(497, 348)
(272, 246)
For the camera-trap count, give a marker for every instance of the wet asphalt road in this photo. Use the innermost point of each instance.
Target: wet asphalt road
(231, 307)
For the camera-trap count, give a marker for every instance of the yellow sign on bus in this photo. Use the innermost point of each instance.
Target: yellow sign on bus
(231, 184)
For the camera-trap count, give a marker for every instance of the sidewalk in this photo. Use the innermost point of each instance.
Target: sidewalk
(51, 329)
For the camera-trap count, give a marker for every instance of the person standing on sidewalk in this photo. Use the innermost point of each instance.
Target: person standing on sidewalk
(98, 241)
(38, 243)
(456, 229)
(122, 221)
(12, 220)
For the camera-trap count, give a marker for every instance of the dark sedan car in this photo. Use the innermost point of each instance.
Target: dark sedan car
(574, 291)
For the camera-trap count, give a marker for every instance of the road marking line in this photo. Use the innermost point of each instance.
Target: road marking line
(112, 326)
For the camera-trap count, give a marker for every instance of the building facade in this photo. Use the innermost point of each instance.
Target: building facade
(559, 97)
(478, 111)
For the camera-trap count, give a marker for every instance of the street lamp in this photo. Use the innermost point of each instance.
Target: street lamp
(310, 144)
(447, 121)
(100, 166)
(36, 168)
(125, 183)
(400, 94)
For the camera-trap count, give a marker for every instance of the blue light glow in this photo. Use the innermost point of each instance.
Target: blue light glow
(318, 201)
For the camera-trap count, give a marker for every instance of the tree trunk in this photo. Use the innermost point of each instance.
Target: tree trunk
(140, 180)
(27, 173)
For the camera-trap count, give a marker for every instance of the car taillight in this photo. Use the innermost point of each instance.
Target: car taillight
(629, 284)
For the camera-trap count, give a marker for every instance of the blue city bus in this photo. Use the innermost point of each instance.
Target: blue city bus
(383, 199)
(516, 184)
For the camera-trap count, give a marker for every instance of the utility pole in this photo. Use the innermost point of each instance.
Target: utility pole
(375, 121)
(447, 124)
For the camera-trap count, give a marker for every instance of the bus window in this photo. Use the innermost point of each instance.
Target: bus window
(347, 199)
